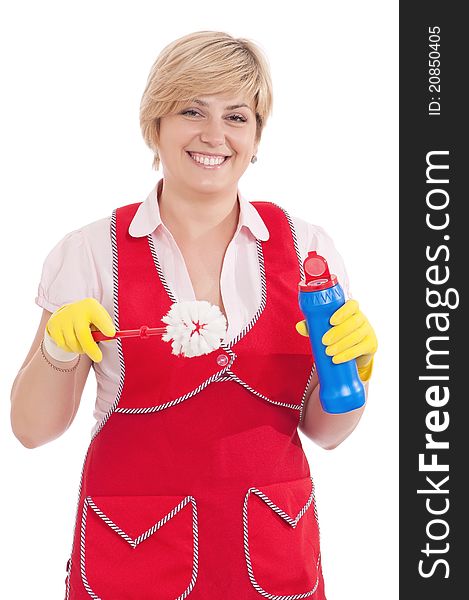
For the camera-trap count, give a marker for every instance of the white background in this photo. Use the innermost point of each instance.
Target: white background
(71, 150)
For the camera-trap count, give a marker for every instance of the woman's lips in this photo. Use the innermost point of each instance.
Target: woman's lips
(198, 164)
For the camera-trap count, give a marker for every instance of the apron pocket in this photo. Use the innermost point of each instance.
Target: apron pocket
(281, 539)
(141, 547)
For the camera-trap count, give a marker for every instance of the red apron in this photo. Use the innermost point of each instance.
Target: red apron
(196, 483)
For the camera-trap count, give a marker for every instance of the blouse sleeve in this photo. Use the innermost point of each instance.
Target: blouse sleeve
(313, 237)
(68, 273)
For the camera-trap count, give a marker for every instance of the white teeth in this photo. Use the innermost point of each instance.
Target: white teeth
(205, 160)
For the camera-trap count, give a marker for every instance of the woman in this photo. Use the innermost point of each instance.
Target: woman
(195, 481)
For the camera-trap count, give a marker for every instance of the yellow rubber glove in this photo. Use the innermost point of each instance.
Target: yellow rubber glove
(351, 336)
(70, 327)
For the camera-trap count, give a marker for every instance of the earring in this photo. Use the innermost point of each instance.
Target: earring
(156, 160)
(254, 158)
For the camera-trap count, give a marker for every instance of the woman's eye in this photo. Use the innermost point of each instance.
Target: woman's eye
(242, 119)
(236, 118)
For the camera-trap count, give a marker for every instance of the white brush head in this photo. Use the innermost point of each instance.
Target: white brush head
(194, 328)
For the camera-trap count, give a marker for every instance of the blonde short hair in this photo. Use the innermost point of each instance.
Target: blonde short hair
(204, 63)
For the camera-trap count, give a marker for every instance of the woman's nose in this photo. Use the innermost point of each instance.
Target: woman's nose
(213, 132)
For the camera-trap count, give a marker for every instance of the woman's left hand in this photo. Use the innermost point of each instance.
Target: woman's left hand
(351, 336)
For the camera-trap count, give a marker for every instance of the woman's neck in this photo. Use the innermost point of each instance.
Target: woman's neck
(190, 216)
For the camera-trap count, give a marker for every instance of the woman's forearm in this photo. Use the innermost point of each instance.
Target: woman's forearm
(325, 429)
(42, 400)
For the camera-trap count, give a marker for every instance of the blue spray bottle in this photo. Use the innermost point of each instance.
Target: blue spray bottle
(340, 387)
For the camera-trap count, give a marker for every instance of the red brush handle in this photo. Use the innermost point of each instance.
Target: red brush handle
(144, 332)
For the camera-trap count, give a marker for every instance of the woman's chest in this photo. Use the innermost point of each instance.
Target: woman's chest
(230, 278)
(204, 267)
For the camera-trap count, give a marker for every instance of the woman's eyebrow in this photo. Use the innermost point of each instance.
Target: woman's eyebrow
(231, 107)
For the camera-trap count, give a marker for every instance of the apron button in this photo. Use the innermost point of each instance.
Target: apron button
(222, 360)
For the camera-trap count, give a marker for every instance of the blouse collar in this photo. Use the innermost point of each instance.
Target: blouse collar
(147, 218)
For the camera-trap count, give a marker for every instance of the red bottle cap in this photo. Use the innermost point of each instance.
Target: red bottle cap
(317, 276)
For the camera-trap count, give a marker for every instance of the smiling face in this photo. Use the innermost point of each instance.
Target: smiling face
(208, 144)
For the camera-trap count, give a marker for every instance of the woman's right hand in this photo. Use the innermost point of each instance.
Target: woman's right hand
(70, 327)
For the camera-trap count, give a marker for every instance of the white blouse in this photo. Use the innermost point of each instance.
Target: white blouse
(80, 266)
